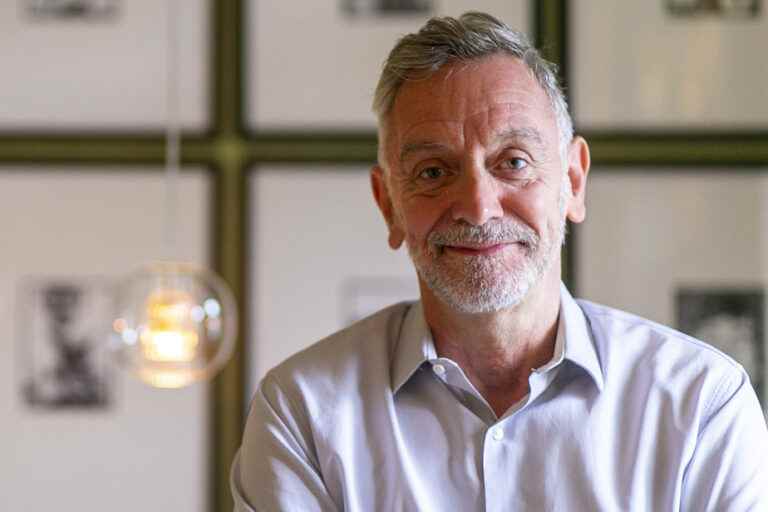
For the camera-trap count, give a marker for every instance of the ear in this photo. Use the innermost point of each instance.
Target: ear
(578, 168)
(383, 199)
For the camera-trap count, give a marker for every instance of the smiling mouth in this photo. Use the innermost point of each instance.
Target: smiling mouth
(479, 250)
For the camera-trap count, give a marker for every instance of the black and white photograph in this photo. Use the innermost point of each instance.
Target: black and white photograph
(723, 8)
(63, 331)
(68, 10)
(386, 7)
(731, 320)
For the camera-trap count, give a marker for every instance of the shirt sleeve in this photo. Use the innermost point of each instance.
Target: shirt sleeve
(276, 467)
(729, 468)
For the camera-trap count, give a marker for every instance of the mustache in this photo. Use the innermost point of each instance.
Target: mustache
(493, 232)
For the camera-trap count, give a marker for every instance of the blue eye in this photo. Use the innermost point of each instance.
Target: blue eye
(432, 173)
(516, 163)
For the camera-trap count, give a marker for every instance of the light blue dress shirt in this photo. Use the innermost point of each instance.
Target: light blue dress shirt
(628, 415)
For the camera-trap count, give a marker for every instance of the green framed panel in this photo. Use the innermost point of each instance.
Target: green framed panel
(323, 82)
(668, 66)
(91, 75)
(656, 144)
(79, 223)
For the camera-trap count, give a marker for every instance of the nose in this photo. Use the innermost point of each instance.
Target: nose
(477, 198)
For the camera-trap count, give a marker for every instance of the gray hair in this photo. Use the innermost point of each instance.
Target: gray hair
(473, 35)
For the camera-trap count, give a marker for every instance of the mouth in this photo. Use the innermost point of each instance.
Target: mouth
(479, 249)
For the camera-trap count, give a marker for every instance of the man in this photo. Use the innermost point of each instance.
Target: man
(497, 391)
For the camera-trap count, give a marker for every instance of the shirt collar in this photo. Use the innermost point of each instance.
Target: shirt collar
(414, 347)
(579, 343)
(573, 343)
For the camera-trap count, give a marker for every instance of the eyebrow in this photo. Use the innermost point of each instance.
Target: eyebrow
(527, 134)
(416, 147)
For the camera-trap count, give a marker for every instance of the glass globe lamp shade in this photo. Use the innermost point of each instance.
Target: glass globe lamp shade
(176, 324)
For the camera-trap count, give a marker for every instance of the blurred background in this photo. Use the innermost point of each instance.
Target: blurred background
(273, 101)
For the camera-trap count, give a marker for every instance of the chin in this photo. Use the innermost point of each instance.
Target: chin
(478, 294)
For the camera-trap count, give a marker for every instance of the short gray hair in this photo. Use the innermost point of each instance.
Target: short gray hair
(473, 35)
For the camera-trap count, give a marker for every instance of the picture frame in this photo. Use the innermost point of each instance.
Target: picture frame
(62, 328)
(730, 319)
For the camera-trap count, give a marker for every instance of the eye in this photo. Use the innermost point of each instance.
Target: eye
(515, 163)
(432, 173)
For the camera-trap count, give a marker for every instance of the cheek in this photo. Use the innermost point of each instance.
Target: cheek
(536, 206)
(420, 218)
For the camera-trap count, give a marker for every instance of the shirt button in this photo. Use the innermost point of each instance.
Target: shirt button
(497, 434)
(438, 369)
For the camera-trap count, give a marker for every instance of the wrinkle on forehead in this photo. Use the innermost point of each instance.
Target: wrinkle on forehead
(471, 101)
(488, 126)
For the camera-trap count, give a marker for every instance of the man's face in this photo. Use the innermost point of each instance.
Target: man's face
(475, 184)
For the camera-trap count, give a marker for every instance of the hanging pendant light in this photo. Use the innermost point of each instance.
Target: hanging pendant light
(177, 322)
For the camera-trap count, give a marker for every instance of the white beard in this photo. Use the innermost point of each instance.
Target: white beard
(487, 283)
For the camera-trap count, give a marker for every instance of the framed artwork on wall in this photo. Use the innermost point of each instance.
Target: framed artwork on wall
(324, 80)
(668, 65)
(62, 328)
(100, 66)
(732, 320)
(682, 248)
(68, 232)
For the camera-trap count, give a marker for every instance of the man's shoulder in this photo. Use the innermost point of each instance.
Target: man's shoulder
(364, 348)
(626, 340)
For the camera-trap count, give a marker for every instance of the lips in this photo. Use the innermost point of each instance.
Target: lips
(478, 250)
(485, 240)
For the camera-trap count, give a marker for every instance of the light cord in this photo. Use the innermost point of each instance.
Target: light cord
(172, 132)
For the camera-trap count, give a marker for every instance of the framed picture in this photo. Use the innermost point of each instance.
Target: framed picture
(100, 65)
(71, 9)
(63, 325)
(325, 78)
(672, 245)
(320, 259)
(668, 65)
(732, 320)
(67, 233)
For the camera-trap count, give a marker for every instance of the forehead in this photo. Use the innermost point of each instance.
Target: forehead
(494, 93)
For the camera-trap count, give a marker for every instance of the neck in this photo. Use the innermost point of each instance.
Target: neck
(498, 350)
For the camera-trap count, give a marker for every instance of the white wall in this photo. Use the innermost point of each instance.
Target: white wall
(320, 257)
(147, 451)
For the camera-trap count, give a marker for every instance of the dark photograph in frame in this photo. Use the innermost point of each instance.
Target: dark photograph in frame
(725, 8)
(62, 332)
(731, 320)
(71, 10)
(386, 7)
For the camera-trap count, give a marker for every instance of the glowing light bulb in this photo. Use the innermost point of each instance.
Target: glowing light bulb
(176, 325)
(170, 335)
